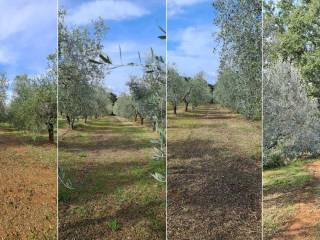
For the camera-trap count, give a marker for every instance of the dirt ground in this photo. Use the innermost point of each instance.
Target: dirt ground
(303, 197)
(114, 196)
(28, 187)
(214, 176)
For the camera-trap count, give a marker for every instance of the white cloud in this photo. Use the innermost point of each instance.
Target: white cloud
(27, 35)
(24, 15)
(176, 7)
(107, 9)
(194, 51)
(195, 41)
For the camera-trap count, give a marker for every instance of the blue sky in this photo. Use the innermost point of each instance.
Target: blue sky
(133, 24)
(27, 36)
(191, 37)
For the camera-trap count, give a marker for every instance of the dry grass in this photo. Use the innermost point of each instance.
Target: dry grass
(109, 164)
(214, 175)
(28, 186)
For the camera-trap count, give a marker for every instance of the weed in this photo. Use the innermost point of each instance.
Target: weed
(113, 224)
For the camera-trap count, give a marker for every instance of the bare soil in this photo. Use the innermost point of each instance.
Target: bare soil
(28, 187)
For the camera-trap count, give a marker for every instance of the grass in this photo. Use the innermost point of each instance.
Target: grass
(113, 224)
(109, 164)
(284, 189)
(214, 168)
(288, 178)
(30, 185)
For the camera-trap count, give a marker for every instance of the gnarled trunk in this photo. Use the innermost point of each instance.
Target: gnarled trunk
(175, 109)
(186, 106)
(69, 121)
(50, 132)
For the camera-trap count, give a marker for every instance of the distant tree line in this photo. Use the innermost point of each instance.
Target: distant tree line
(187, 90)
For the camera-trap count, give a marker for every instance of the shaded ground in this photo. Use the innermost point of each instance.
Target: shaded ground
(114, 196)
(292, 201)
(214, 175)
(28, 186)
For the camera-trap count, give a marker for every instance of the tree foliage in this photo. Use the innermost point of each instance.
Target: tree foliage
(34, 103)
(239, 24)
(124, 106)
(296, 37)
(291, 80)
(291, 119)
(187, 90)
(3, 95)
(78, 76)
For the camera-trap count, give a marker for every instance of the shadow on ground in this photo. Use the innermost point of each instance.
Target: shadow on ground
(214, 190)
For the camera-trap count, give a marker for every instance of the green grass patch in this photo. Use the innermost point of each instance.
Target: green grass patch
(289, 177)
(113, 224)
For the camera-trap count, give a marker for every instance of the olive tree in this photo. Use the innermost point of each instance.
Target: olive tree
(77, 75)
(176, 84)
(291, 121)
(200, 91)
(34, 103)
(3, 95)
(124, 107)
(239, 24)
(103, 103)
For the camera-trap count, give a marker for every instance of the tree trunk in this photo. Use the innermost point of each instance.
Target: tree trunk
(186, 106)
(154, 126)
(69, 121)
(135, 117)
(141, 120)
(72, 124)
(175, 109)
(85, 119)
(50, 132)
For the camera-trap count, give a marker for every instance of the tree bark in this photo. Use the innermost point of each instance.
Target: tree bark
(141, 120)
(186, 106)
(175, 109)
(72, 124)
(135, 117)
(154, 126)
(50, 132)
(69, 121)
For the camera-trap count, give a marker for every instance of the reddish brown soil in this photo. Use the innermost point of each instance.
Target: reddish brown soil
(214, 176)
(27, 189)
(303, 226)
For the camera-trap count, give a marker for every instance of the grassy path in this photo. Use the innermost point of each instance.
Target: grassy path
(28, 186)
(292, 201)
(114, 196)
(214, 175)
